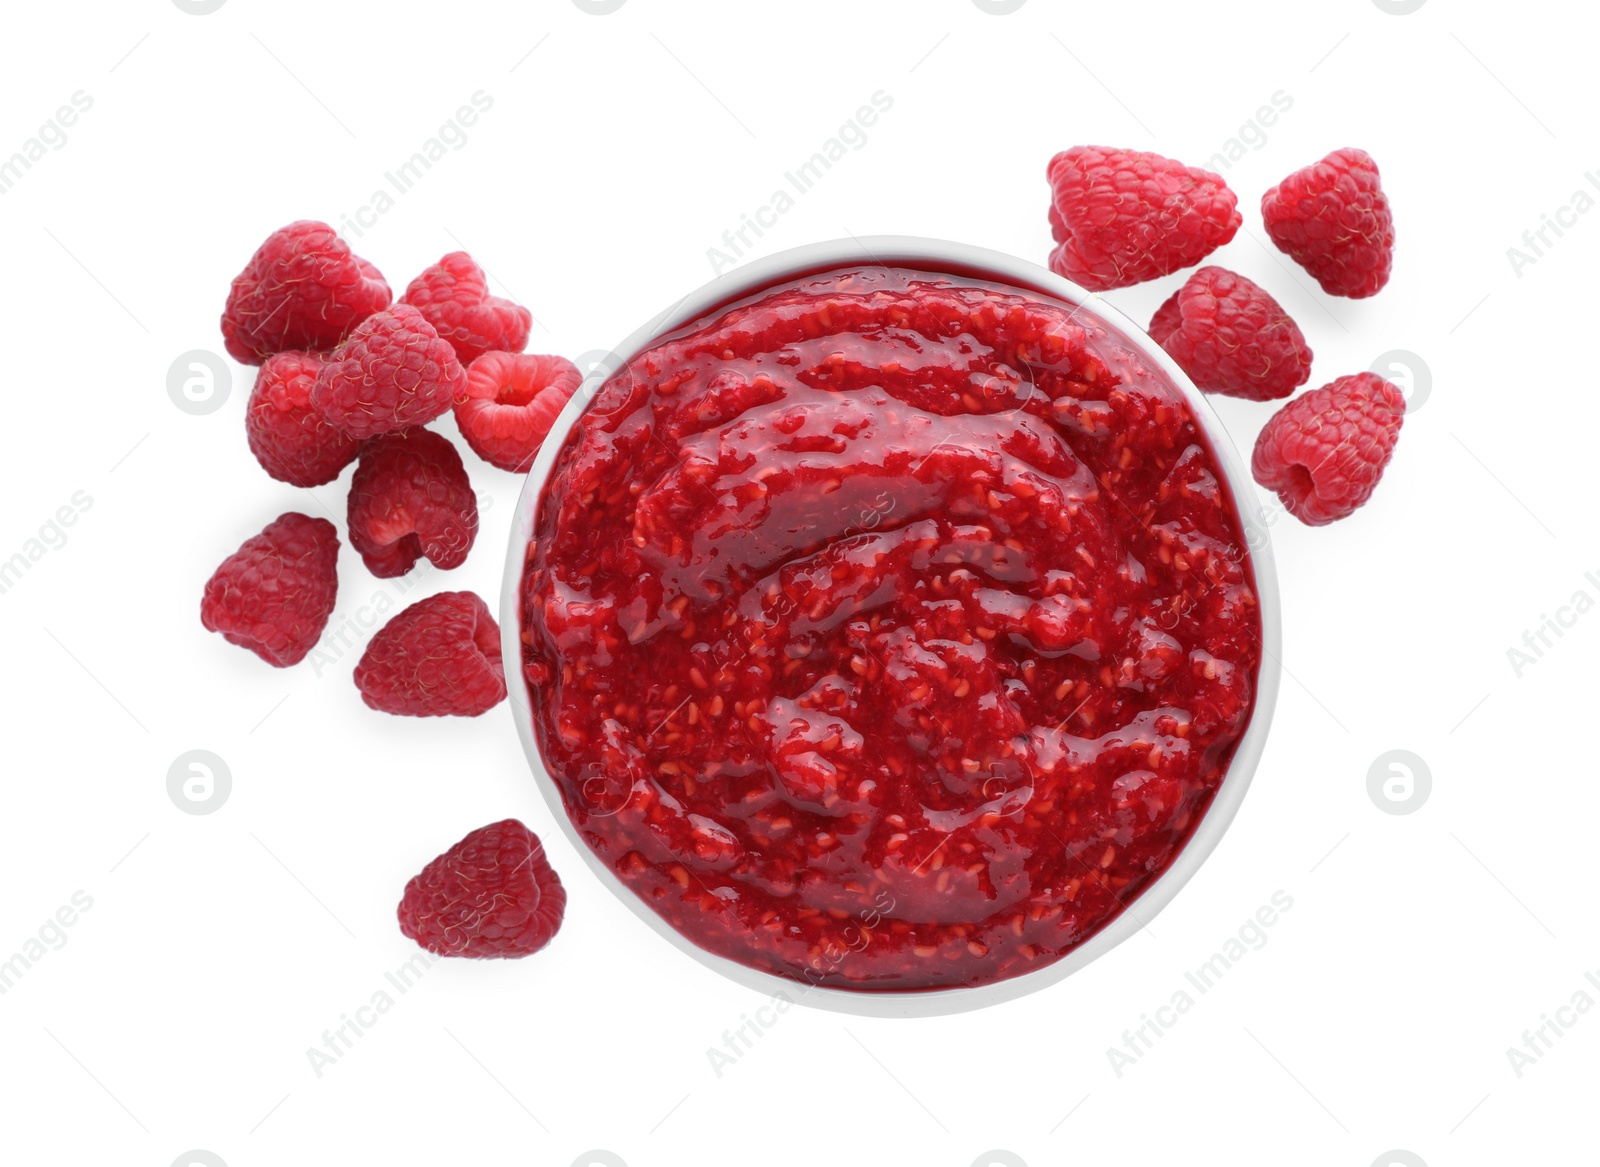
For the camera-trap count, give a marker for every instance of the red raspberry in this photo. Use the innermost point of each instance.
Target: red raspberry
(493, 894)
(1332, 218)
(393, 372)
(512, 400)
(1231, 337)
(1325, 450)
(302, 289)
(1122, 216)
(291, 440)
(273, 595)
(439, 657)
(454, 296)
(410, 498)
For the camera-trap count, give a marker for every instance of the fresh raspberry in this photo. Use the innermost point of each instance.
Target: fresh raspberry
(291, 440)
(1231, 337)
(1122, 216)
(392, 372)
(1332, 218)
(512, 400)
(454, 296)
(273, 595)
(1325, 450)
(493, 894)
(301, 290)
(439, 657)
(410, 498)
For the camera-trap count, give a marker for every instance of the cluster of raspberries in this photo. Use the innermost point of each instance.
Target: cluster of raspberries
(347, 375)
(1121, 217)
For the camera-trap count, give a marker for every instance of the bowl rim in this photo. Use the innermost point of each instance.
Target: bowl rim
(965, 261)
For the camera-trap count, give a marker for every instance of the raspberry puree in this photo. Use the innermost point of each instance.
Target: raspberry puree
(888, 629)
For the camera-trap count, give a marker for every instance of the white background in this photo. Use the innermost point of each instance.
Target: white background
(179, 1010)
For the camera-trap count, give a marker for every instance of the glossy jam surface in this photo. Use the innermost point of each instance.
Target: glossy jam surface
(888, 630)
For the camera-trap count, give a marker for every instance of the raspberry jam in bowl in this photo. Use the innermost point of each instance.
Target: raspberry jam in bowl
(889, 630)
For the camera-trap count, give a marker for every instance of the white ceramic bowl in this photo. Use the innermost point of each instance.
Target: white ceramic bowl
(935, 256)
